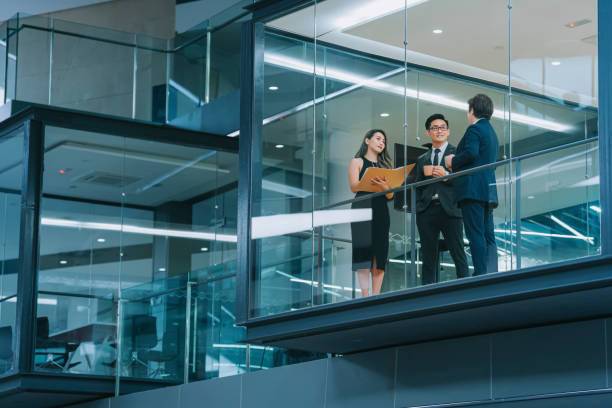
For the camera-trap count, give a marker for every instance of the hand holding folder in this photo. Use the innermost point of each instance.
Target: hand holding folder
(393, 177)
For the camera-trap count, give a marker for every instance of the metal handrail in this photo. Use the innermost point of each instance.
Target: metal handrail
(461, 173)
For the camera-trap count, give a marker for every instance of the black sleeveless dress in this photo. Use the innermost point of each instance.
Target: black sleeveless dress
(371, 238)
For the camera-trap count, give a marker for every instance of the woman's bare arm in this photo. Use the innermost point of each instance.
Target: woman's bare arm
(353, 173)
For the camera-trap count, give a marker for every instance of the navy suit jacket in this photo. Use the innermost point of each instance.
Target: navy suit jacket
(478, 146)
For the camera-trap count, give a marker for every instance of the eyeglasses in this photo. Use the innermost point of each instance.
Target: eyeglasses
(438, 128)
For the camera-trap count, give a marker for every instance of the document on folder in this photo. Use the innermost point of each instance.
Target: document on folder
(394, 177)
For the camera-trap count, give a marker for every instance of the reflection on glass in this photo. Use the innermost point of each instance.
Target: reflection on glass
(390, 66)
(560, 212)
(11, 147)
(119, 214)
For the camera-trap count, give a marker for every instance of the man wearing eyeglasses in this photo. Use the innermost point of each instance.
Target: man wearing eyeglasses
(436, 208)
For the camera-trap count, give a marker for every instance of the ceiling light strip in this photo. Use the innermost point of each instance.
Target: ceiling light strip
(375, 83)
(134, 229)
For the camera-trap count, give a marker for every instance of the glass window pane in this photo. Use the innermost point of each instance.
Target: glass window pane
(11, 146)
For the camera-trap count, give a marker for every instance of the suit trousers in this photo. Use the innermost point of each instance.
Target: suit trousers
(479, 229)
(430, 223)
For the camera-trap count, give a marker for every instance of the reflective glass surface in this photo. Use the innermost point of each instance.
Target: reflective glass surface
(11, 146)
(335, 70)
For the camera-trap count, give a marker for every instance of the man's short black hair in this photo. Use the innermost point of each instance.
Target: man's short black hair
(433, 117)
(482, 105)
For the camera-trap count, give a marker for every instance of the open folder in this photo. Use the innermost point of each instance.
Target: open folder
(395, 177)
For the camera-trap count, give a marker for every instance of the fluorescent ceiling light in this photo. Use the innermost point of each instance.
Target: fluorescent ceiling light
(190, 95)
(279, 146)
(372, 10)
(239, 346)
(284, 189)
(591, 181)
(40, 301)
(570, 229)
(143, 156)
(556, 63)
(134, 229)
(385, 115)
(282, 224)
(273, 88)
(595, 208)
(374, 83)
(545, 234)
(437, 31)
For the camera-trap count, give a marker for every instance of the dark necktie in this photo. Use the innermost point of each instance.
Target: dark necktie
(436, 158)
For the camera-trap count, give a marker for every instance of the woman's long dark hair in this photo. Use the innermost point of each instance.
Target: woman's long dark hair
(384, 160)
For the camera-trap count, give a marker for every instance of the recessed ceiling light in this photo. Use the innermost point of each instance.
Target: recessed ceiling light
(273, 88)
(162, 269)
(385, 115)
(437, 31)
(279, 146)
(204, 249)
(556, 63)
(63, 262)
(101, 240)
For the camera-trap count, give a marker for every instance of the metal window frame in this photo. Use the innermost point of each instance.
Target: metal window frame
(250, 129)
(33, 119)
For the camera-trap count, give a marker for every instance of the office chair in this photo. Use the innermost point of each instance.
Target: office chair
(169, 352)
(48, 347)
(144, 338)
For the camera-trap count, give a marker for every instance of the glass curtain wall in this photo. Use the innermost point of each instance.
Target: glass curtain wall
(11, 146)
(126, 223)
(336, 69)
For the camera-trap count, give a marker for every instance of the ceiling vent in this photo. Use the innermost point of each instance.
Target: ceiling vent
(102, 178)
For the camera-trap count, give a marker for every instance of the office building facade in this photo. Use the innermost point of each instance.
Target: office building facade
(177, 214)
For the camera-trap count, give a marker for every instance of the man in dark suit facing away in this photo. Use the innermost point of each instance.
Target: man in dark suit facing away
(476, 193)
(436, 208)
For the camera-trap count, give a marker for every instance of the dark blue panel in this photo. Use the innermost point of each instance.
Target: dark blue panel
(542, 360)
(361, 380)
(217, 393)
(443, 372)
(104, 403)
(163, 397)
(294, 386)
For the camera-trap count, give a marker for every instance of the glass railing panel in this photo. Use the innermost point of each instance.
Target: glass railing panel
(151, 76)
(215, 347)
(153, 330)
(92, 75)
(34, 59)
(559, 205)
(186, 80)
(11, 147)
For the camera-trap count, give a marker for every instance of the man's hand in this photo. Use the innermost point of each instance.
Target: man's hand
(438, 171)
(448, 160)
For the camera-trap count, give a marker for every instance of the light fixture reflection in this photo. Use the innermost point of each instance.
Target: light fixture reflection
(134, 229)
(373, 83)
(282, 224)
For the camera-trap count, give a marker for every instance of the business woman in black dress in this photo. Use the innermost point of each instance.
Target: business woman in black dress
(371, 238)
